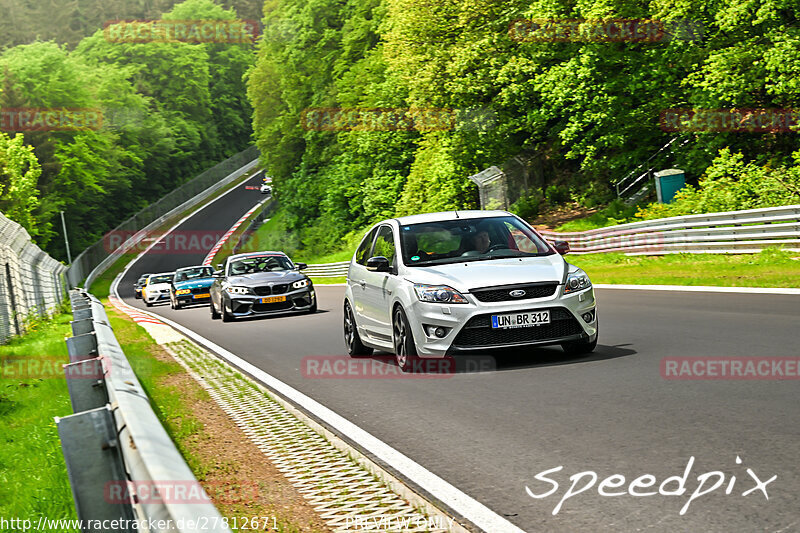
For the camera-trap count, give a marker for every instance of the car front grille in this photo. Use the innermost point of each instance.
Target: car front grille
(278, 306)
(479, 332)
(267, 290)
(502, 293)
(200, 290)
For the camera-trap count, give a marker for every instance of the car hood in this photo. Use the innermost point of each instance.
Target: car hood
(157, 286)
(199, 283)
(472, 275)
(262, 278)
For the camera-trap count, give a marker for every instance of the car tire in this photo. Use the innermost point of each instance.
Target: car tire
(313, 308)
(352, 340)
(147, 303)
(405, 351)
(226, 316)
(214, 313)
(580, 347)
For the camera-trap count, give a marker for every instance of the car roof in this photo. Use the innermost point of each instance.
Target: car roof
(162, 274)
(191, 267)
(450, 215)
(255, 254)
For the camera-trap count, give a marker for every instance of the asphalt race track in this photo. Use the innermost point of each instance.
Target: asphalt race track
(491, 432)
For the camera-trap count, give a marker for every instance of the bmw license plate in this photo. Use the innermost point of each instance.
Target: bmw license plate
(273, 299)
(521, 320)
(201, 295)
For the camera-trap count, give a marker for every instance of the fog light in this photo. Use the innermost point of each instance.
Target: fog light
(440, 332)
(588, 316)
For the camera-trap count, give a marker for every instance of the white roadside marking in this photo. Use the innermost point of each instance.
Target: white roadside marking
(700, 288)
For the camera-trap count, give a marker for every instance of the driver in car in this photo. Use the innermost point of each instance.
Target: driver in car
(481, 241)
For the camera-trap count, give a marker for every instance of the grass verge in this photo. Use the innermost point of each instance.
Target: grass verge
(770, 268)
(33, 475)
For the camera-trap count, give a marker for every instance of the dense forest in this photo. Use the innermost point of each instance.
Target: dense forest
(574, 115)
(161, 113)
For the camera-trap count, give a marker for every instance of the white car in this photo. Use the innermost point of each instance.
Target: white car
(464, 282)
(157, 288)
(266, 188)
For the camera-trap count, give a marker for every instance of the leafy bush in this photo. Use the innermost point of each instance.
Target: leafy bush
(556, 194)
(527, 207)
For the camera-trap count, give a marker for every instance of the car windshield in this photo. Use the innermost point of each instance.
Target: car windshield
(161, 278)
(472, 239)
(194, 273)
(260, 263)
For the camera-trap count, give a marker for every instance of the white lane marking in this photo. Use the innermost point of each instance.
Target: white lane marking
(700, 288)
(460, 502)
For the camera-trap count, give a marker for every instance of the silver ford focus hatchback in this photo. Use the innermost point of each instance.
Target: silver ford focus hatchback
(464, 282)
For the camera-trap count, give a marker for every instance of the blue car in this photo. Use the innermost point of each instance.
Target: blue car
(190, 286)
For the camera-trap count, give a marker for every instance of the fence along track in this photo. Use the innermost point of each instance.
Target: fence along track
(32, 281)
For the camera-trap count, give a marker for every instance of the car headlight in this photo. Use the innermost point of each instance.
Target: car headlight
(182, 291)
(238, 290)
(576, 281)
(301, 283)
(439, 294)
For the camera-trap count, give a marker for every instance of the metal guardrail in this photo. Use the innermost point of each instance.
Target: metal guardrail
(31, 282)
(97, 257)
(114, 445)
(746, 231)
(327, 270)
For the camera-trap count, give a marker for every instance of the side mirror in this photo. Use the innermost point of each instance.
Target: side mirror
(300, 266)
(561, 247)
(217, 273)
(219, 266)
(378, 264)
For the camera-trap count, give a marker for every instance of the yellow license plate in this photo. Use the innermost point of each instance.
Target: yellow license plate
(273, 299)
(205, 295)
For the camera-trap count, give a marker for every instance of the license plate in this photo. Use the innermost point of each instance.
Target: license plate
(202, 295)
(521, 320)
(273, 299)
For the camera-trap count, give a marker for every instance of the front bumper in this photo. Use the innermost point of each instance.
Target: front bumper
(198, 296)
(469, 328)
(242, 305)
(159, 297)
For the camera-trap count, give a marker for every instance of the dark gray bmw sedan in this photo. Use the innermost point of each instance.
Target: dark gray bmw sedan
(260, 283)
